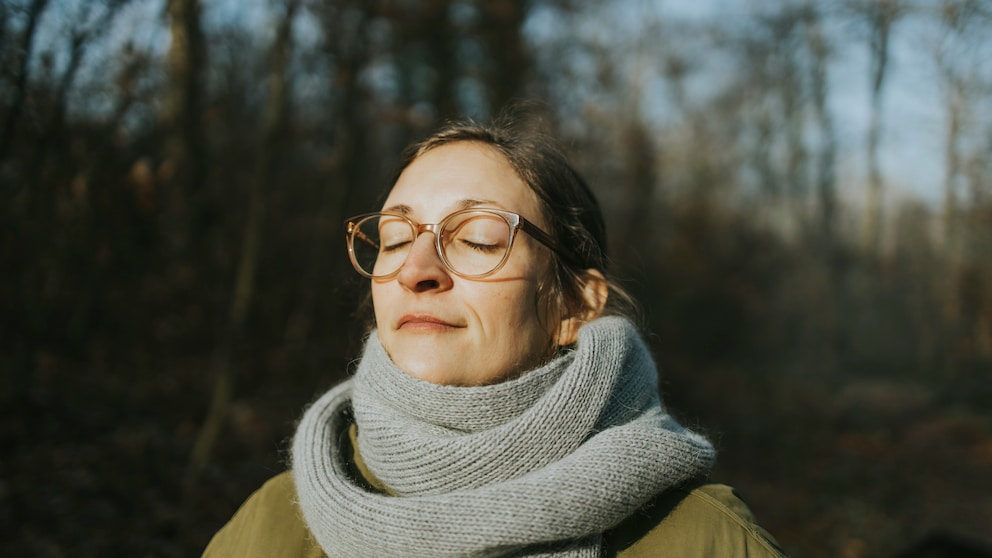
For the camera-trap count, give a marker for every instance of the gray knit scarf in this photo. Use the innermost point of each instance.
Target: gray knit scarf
(540, 465)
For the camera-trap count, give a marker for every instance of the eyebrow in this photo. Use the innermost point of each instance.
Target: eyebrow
(463, 204)
(468, 204)
(399, 208)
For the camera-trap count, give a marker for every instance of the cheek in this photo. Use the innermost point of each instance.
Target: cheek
(528, 341)
(519, 310)
(532, 303)
(379, 296)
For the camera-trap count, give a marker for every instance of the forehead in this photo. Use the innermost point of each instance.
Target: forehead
(457, 175)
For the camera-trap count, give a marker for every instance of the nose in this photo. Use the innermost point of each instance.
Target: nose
(423, 269)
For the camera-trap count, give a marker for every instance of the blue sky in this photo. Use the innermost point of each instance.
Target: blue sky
(912, 151)
(912, 148)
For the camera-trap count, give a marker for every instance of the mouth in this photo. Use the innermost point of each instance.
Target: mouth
(424, 322)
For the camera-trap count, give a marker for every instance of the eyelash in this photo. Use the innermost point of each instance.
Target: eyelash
(394, 247)
(480, 247)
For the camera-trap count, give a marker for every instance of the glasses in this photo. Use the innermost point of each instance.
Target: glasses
(471, 243)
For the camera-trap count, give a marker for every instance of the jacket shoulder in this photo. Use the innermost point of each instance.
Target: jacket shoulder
(268, 524)
(697, 520)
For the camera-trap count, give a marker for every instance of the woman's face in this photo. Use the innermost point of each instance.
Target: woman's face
(446, 329)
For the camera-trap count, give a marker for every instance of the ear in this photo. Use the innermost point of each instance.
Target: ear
(595, 291)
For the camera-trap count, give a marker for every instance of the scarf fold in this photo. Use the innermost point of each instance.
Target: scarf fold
(540, 465)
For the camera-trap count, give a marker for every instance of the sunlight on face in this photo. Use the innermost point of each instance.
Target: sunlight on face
(446, 329)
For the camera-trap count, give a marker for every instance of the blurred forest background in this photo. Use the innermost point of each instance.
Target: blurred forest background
(174, 286)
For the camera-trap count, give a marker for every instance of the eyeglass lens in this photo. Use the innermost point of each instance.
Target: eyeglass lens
(473, 243)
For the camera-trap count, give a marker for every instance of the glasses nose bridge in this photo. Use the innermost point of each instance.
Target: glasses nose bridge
(426, 227)
(433, 228)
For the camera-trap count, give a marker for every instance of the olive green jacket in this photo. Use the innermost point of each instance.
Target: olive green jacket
(689, 521)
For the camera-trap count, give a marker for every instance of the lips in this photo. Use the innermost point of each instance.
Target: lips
(424, 322)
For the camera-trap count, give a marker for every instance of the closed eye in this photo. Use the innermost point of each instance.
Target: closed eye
(394, 247)
(485, 248)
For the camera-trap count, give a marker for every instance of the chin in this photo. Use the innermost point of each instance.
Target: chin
(437, 369)
(424, 369)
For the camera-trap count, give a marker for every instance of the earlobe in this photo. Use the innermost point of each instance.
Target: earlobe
(595, 291)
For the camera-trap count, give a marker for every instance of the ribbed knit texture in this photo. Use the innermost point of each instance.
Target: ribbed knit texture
(536, 466)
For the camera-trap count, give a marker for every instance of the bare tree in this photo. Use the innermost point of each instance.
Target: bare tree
(185, 149)
(956, 105)
(268, 152)
(792, 91)
(345, 27)
(826, 156)
(879, 16)
(966, 240)
(501, 27)
(772, 97)
(963, 25)
(4, 19)
(436, 30)
(35, 11)
(85, 28)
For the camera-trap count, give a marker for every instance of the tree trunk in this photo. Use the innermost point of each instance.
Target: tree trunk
(184, 163)
(442, 43)
(56, 121)
(826, 157)
(185, 149)
(952, 156)
(21, 78)
(881, 17)
(348, 129)
(273, 126)
(501, 27)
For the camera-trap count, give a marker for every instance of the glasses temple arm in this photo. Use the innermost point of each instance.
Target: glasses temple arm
(357, 232)
(545, 239)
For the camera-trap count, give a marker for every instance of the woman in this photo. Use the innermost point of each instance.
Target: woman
(501, 405)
